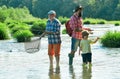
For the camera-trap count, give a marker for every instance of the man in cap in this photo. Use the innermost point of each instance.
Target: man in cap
(54, 39)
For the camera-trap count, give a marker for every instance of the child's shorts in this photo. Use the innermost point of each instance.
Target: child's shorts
(87, 57)
(54, 49)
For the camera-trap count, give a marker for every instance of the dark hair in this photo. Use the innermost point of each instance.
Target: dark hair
(78, 8)
(84, 33)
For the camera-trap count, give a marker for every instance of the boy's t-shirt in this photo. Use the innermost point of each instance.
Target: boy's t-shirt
(85, 46)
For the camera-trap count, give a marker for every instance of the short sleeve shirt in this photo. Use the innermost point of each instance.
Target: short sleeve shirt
(85, 46)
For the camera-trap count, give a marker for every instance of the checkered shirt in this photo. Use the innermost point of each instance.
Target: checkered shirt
(53, 26)
(76, 22)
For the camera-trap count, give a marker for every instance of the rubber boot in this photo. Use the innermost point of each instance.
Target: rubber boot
(71, 56)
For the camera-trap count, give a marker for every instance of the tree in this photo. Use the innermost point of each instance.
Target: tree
(116, 14)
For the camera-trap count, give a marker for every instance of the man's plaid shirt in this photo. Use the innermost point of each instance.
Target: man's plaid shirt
(53, 26)
(76, 22)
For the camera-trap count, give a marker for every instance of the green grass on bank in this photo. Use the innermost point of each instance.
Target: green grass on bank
(99, 21)
(111, 39)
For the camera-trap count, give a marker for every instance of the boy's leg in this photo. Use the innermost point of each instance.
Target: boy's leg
(89, 58)
(84, 59)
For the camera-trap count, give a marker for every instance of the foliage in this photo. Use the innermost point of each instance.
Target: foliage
(94, 21)
(63, 20)
(38, 27)
(64, 31)
(19, 27)
(86, 22)
(117, 24)
(116, 12)
(4, 32)
(62, 7)
(111, 39)
(18, 14)
(101, 22)
(23, 35)
(105, 9)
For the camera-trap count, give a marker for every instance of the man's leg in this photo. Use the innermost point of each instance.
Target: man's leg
(74, 46)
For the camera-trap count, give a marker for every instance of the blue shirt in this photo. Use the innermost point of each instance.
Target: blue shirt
(53, 26)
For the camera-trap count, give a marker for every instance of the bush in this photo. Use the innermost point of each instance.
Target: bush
(86, 22)
(63, 20)
(23, 35)
(17, 14)
(94, 21)
(64, 31)
(29, 22)
(19, 26)
(4, 32)
(38, 27)
(10, 22)
(117, 24)
(101, 22)
(111, 39)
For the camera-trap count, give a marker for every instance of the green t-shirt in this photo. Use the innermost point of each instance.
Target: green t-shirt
(85, 46)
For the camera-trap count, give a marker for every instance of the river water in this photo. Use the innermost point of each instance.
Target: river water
(15, 63)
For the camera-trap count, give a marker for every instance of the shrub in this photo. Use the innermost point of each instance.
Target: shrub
(38, 27)
(19, 26)
(94, 21)
(23, 35)
(4, 32)
(29, 22)
(117, 24)
(64, 31)
(101, 22)
(86, 22)
(111, 39)
(63, 20)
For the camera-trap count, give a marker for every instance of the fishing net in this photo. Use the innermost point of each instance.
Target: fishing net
(33, 45)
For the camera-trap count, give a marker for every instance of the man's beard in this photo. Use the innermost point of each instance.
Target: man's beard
(80, 14)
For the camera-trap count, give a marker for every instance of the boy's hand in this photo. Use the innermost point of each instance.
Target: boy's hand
(90, 32)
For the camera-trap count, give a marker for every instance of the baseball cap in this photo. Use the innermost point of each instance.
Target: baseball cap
(77, 8)
(51, 12)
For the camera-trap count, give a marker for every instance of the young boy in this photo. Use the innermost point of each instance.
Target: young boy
(86, 48)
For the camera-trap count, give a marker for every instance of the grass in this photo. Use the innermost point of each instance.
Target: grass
(111, 39)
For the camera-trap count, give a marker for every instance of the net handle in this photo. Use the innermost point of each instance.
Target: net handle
(43, 34)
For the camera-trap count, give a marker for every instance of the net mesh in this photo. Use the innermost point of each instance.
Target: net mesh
(33, 45)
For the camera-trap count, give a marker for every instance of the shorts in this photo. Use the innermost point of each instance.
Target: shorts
(54, 49)
(87, 57)
(75, 44)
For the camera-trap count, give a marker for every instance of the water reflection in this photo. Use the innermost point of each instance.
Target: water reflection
(54, 76)
(33, 74)
(71, 71)
(86, 72)
(51, 70)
